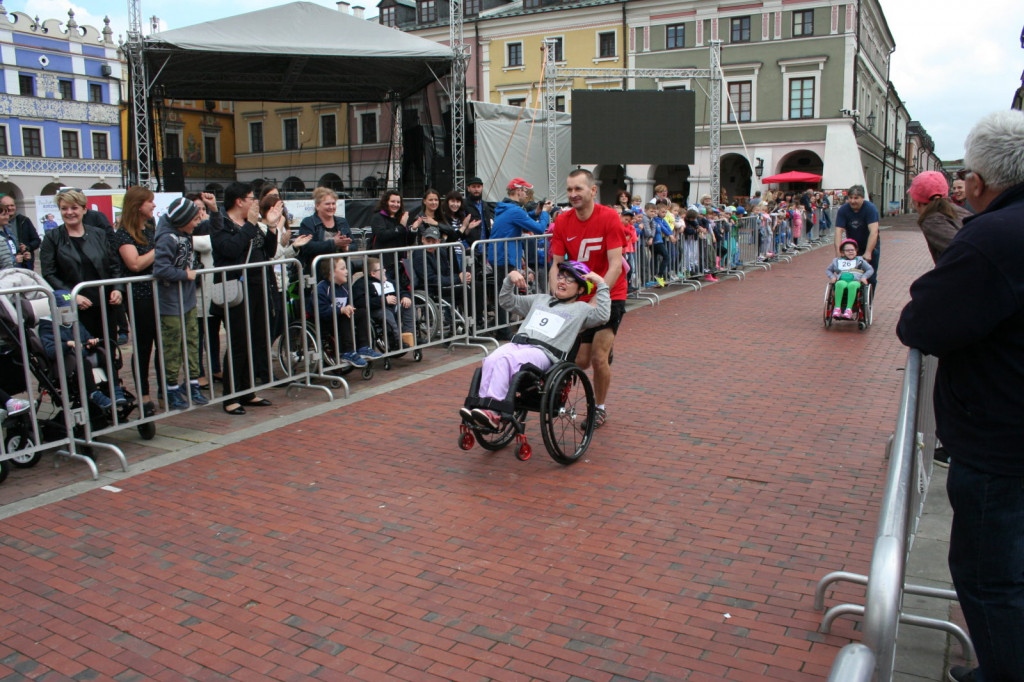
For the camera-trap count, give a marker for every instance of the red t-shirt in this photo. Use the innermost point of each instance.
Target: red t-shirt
(588, 241)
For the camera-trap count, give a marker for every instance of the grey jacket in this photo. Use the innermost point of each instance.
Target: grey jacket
(173, 257)
(553, 323)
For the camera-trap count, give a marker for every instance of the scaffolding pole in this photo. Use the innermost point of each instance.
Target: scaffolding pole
(140, 100)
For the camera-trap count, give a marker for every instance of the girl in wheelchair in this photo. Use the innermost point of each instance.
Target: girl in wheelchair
(549, 329)
(847, 274)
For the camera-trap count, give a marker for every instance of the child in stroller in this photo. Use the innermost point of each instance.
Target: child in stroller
(91, 347)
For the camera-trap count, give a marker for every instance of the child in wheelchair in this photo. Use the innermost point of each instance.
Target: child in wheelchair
(549, 329)
(377, 296)
(847, 273)
(337, 314)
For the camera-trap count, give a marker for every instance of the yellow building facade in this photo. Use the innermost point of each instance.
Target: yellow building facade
(195, 141)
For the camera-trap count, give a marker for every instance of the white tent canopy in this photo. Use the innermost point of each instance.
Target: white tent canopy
(511, 142)
(297, 52)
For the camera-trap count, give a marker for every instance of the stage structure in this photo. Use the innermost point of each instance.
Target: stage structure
(712, 74)
(296, 52)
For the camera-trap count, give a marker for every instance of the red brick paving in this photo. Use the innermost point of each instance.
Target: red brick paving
(741, 462)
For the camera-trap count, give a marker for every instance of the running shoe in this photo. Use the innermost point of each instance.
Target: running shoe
(487, 418)
(353, 358)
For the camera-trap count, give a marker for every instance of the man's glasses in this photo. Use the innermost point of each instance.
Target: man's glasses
(8, 209)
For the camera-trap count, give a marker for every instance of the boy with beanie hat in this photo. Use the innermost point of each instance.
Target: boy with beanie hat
(173, 267)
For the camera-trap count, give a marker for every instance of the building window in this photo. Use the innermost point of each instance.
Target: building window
(387, 16)
(256, 136)
(96, 93)
(740, 94)
(100, 146)
(675, 36)
(606, 45)
(559, 102)
(471, 8)
(741, 30)
(210, 149)
(3, 141)
(291, 133)
(555, 45)
(531, 4)
(26, 85)
(427, 11)
(515, 54)
(328, 130)
(803, 22)
(801, 98)
(32, 141)
(172, 146)
(69, 144)
(368, 128)
(517, 102)
(66, 89)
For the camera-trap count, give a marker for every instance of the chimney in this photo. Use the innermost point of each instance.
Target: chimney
(357, 11)
(343, 6)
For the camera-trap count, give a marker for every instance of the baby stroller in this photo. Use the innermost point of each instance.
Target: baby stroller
(45, 371)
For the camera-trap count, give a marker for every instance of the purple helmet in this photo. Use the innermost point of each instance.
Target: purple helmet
(578, 272)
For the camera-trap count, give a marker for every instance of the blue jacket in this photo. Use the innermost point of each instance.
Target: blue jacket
(969, 312)
(661, 230)
(512, 220)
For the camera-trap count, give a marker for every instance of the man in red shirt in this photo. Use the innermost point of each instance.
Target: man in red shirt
(592, 234)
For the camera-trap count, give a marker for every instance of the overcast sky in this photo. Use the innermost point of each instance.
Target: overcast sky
(951, 65)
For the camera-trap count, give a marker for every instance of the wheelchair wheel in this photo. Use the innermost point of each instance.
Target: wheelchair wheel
(829, 304)
(290, 354)
(20, 441)
(567, 413)
(497, 440)
(428, 319)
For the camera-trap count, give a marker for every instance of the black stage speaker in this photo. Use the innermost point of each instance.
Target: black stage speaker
(174, 175)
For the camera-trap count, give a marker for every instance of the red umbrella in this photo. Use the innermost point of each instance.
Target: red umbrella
(792, 176)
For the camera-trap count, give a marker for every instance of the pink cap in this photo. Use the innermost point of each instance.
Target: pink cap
(928, 185)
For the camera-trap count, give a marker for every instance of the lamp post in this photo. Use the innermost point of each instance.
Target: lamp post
(759, 168)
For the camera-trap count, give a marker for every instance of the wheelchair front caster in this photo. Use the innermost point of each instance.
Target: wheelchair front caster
(367, 373)
(387, 365)
(524, 450)
(862, 325)
(335, 383)
(417, 355)
(466, 439)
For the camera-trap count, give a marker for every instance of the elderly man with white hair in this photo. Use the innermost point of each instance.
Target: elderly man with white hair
(969, 312)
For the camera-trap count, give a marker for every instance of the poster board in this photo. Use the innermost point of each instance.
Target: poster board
(106, 201)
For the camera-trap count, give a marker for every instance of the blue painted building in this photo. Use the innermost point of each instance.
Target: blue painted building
(60, 95)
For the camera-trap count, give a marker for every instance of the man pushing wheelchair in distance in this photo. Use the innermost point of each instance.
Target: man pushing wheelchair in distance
(547, 334)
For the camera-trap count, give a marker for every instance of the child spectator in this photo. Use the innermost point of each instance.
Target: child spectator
(174, 270)
(551, 323)
(662, 233)
(629, 219)
(337, 313)
(847, 273)
(691, 231)
(67, 342)
(374, 294)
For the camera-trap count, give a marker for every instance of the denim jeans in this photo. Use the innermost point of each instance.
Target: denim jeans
(986, 560)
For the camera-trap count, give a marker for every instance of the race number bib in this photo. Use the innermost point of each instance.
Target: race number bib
(340, 301)
(544, 324)
(845, 265)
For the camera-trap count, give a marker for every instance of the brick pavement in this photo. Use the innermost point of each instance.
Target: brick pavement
(742, 461)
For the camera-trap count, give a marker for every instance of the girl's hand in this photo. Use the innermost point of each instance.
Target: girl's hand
(302, 240)
(833, 279)
(347, 310)
(390, 299)
(405, 219)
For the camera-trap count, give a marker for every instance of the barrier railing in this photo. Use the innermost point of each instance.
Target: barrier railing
(50, 420)
(491, 260)
(906, 486)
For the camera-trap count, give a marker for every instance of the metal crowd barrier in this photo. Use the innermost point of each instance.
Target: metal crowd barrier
(253, 317)
(54, 414)
(490, 261)
(906, 486)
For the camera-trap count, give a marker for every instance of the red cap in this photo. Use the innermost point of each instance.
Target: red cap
(518, 183)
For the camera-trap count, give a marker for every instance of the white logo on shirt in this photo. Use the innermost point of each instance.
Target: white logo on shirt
(587, 246)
